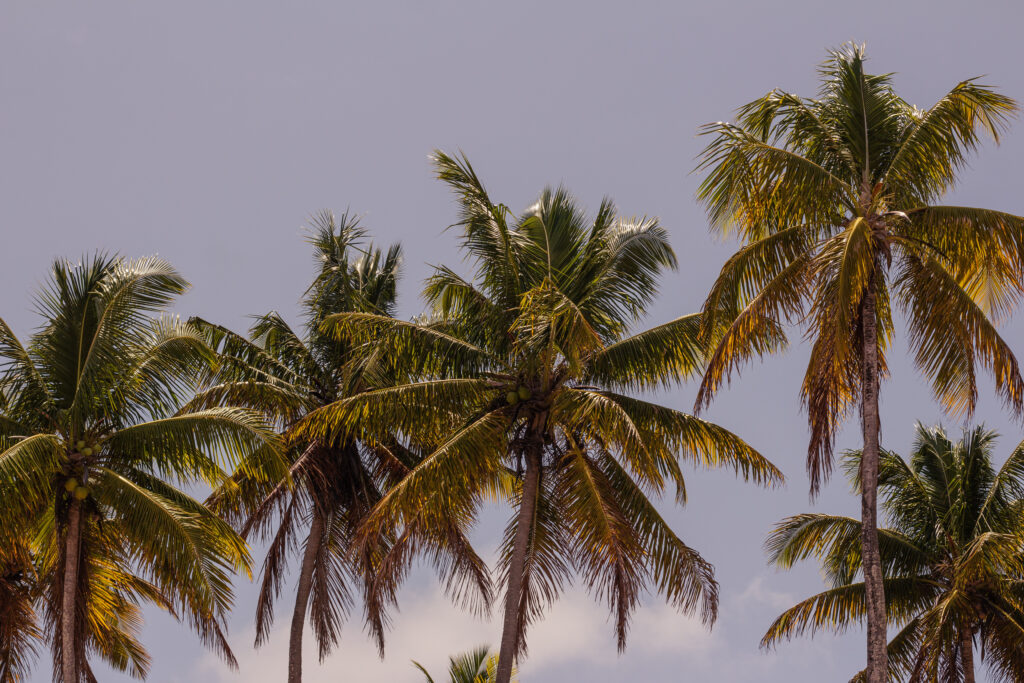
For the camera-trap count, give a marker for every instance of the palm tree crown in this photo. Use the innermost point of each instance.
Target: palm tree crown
(90, 443)
(835, 196)
(328, 485)
(474, 666)
(952, 556)
(521, 398)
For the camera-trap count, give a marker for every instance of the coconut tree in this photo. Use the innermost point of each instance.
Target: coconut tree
(472, 667)
(835, 202)
(525, 372)
(952, 558)
(92, 448)
(315, 502)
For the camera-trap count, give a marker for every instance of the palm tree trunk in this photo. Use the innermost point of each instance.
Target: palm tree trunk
(524, 527)
(313, 542)
(967, 654)
(69, 598)
(877, 668)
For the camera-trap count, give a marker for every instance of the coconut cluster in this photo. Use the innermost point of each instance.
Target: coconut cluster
(75, 489)
(521, 393)
(79, 490)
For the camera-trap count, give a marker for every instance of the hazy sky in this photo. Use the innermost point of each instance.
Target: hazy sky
(208, 131)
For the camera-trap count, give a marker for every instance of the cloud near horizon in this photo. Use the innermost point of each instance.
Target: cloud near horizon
(576, 629)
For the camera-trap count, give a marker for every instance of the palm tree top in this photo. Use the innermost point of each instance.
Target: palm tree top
(608, 266)
(833, 197)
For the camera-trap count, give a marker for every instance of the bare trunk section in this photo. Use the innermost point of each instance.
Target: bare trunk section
(967, 654)
(877, 668)
(313, 542)
(69, 599)
(524, 526)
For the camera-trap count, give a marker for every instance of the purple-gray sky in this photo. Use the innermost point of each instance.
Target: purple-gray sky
(207, 132)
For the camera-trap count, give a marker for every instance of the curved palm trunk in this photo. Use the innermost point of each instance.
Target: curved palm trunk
(967, 654)
(69, 597)
(524, 527)
(313, 542)
(877, 668)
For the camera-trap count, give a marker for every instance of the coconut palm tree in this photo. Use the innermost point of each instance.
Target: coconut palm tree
(91, 445)
(952, 558)
(834, 199)
(472, 667)
(319, 497)
(524, 373)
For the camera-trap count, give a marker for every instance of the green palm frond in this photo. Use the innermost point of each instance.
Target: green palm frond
(187, 441)
(26, 462)
(839, 608)
(836, 540)
(949, 340)
(661, 357)
(411, 346)
(936, 144)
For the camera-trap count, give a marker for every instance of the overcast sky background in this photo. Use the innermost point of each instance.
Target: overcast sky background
(207, 132)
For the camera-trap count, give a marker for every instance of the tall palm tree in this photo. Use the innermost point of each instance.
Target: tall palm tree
(834, 199)
(472, 667)
(328, 485)
(952, 558)
(521, 398)
(91, 444)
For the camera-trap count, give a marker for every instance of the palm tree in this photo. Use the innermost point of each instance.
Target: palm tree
(952, 558)
(472, 667)
(90, 443)
(834, 200)
(328, 486)
(520, 399)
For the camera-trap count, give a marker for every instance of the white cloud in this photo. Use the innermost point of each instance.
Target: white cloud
(429, 629)
(756, 592)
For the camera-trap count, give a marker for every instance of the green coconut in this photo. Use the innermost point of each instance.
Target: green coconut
(86, 451)
(512, 397)
(70, 485)
(524, 393)
(80, 445)
(81, 492)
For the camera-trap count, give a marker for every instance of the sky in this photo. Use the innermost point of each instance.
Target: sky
(208, 133)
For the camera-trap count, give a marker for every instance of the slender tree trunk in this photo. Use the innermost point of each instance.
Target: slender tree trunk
(313, 542)
(69, 599)
(877, 668)
(967, 654)
(524, 526)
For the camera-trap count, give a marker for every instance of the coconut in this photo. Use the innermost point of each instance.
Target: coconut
(70, 485)
(81, 492)
(524, 393)
(86, 451)
(512, 397)
(80, 445)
